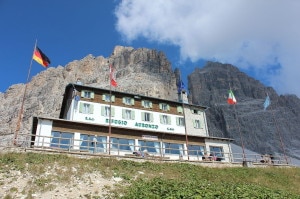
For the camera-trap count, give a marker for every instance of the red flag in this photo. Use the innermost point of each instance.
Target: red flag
(40, 57)
(112, 76)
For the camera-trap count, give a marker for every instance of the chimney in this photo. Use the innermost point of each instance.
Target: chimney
(182, 97)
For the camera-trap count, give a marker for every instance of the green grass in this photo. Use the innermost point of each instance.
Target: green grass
(158, 180)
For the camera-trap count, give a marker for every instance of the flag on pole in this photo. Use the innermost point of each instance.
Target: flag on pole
(231, 99)
(267, 102)
(40, 57)
(180, 86)
(112, 76)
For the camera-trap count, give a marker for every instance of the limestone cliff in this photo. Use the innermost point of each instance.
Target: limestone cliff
(142, 71)
(272, 131)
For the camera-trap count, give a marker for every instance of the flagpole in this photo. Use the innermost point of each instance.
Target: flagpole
(20, 115)
(280, 137)
(109, 127)
(239, 129)
(186, 136)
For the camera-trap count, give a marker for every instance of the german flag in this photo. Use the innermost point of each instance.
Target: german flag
(40, 57)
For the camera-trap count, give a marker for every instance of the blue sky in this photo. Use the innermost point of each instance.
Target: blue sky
(259, 37)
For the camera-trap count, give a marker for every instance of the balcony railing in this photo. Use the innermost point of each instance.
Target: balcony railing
(71, 145)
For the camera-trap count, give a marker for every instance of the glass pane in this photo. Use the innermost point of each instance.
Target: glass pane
(196, 150)
(55, 139)
(173, 148)
(66, 140)
(152, 147)
(217, 151)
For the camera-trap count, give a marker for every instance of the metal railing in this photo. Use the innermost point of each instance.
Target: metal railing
(28, 141)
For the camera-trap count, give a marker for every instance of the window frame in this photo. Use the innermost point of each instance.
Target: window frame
(164, 106)
(147, 104)
(86, 108)
(87, 94)
(128, 101)
(108, 98)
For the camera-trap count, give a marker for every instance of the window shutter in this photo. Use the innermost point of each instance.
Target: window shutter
(124, 100)
(169, 120)
(132, 115)
(143, 103)
(123, 112)
(92, 95)
(161, 119)
(168, 107)
(179, 109)
(160, 105)
(91, 109)
(112, 98)
(177, 121)
(150, 104)
(143, 116)
(80, 107)
(82, 93)
(194, 124)
(102, 110)
(151, 117)
(132, 101)
(112, 112)
(103, 97)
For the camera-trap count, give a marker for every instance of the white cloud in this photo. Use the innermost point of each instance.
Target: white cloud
(249, 33)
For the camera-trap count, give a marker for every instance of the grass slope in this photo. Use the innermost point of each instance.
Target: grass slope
(156, 180)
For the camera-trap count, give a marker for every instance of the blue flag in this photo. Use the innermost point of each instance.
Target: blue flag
(180, 86)
(267, 102)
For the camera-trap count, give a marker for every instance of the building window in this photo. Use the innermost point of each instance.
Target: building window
(108, 98)
(105, 111)
(194, 111)
(165, 119)
(179, 109)
(150, 146)
(164, 106)
(147, 117)
(62, 140)
(216, 151)
(196, 150)
(86, 108)
(87, 94)
(93, 143)
(197, 124)
(179, 121)
(122, 144)
(173, 148)
(146, 104)
(128, 114)
(128, 101)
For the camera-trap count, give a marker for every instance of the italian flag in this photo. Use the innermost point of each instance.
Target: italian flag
(231, 99)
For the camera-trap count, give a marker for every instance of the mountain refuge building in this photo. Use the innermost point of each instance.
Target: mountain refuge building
(103, 121)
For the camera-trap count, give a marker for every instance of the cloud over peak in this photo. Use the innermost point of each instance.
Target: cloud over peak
(252, 33)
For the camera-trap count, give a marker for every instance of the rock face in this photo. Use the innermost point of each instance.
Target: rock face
(272, 131)
(148, 72)
(142, 71)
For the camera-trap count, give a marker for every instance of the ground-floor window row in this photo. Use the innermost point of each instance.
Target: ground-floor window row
(99, 144)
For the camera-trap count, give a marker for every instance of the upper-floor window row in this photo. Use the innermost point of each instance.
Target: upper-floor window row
(131, 102)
